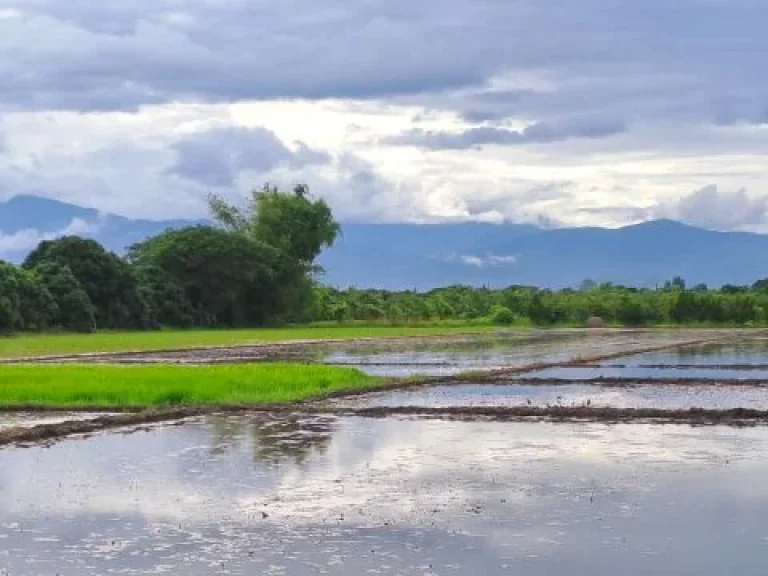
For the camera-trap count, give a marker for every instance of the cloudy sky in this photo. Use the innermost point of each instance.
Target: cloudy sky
(563, 112)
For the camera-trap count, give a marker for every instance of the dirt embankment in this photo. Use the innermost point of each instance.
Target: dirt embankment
(740, 367)
(135, 422)
(700, 416)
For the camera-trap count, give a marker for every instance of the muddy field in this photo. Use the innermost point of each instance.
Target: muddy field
(563, 452)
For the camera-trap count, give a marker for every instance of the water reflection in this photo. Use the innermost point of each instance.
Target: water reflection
(629, 372)
(400, 359)
(750, 351)
(273, 439)
(676, 397)
(391, 496)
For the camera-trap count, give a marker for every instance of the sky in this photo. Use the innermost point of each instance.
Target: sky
(554, 112)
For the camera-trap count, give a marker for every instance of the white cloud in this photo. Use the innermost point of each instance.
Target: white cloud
(709, 207)
(487, 261)
(497, 99)
(25, 240)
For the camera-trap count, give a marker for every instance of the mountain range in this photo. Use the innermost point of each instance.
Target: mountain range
(414, 256)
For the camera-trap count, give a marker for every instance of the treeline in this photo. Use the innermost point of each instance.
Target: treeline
(255, 267)
(670, 304)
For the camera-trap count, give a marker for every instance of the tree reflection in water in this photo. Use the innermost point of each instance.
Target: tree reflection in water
(275, 438)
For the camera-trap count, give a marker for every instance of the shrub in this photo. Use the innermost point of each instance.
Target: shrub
(502, 316)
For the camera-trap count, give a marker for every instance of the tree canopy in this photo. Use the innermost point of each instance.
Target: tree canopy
(295, 224)
(106, 279)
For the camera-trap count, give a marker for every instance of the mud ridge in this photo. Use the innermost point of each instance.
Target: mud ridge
(744, 367)
(611, 381)
(736, 416)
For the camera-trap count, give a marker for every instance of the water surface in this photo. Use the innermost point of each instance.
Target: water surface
(675, 397)
(308, 495)
(494, 351)
(745, 351)
(630, 372)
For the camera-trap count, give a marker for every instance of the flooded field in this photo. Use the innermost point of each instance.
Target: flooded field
(327, 495)
(670, 397)
(320, 489)
(497, 351)
(691, 372)
(733, 352)
(436, 356)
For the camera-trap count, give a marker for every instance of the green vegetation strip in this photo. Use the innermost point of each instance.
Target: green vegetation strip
(79, 386)
(29, 345)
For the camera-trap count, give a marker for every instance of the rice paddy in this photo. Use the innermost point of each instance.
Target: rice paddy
(107, 386)
(25, 345)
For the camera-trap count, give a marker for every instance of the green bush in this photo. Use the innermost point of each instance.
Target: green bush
(502, 316)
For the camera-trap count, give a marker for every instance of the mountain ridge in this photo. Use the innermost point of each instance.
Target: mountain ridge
(425, 256)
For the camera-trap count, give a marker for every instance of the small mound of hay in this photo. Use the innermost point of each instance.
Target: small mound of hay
(595, 322)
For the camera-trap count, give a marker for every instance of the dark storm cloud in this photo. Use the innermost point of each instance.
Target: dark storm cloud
(216, 157)
(539, 133)
(648, 57)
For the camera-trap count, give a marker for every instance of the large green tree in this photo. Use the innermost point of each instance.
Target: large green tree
(226, 278)
(167, 303)
(106, 278)
(39, 309)
(298, 226)
(10, 302)
(293, 222)
(74, 310)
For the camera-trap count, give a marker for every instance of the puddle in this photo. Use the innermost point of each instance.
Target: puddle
(30, 419)
(678, 397)
(248, 495)
(640, 372)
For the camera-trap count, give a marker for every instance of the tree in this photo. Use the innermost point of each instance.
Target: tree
(106, 279)
(540, 311)
(227, 279)
(630, 311)
(502, 316)
(761, 285)
(74, 310)
(683, 307)
(38, 308)
(10, 305)
(290, 221)
(166, 301)
(677, 283)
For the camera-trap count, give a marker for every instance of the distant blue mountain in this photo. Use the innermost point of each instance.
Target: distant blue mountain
(25, 220)
(423, 257)
(412, 256)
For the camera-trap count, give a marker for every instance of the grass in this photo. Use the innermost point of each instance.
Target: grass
(100, 386)
(25, 345)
